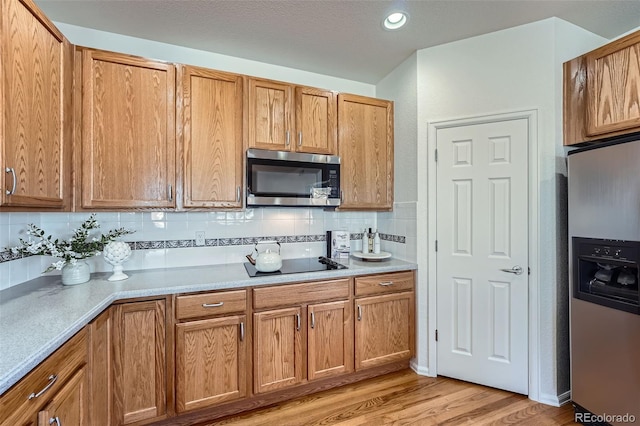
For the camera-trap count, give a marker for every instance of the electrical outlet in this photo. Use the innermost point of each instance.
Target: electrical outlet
(199, 238)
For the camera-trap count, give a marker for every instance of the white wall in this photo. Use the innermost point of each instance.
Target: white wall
(512, 70)
(88, 37)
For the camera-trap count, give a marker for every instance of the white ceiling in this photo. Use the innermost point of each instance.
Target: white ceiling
(342, 38)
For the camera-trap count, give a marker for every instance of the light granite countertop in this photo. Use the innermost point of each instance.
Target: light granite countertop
(38, 316)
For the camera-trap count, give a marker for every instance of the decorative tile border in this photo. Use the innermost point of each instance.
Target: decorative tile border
(7, 256)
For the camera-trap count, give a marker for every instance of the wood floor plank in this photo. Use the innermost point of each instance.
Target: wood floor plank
(405, 398)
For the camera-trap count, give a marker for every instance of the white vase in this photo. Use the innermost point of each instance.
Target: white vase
(77, 273)
(115, 253)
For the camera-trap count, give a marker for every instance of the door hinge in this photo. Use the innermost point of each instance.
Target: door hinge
(436, 245)
(436, 335)
(529, 271)
(436, 155)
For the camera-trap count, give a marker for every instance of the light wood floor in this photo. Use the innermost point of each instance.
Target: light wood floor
(404, 398)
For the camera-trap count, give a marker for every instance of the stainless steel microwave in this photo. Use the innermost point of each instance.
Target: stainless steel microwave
(280, 178)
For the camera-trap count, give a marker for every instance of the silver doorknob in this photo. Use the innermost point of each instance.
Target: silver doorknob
(515, 270)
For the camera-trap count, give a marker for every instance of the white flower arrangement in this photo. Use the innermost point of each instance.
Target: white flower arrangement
(79, 246)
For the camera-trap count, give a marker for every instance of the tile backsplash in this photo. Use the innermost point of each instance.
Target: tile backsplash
(167, 239)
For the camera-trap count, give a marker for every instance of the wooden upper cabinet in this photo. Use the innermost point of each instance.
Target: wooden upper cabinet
(139, 362)
(210, 131)
(36, 121)
(601, 92)
(316, 118)
(279, 121)
(128, 131)
(613, 86)
(365, 146)
(270, 114)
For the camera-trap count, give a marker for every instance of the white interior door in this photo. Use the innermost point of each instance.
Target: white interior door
(482, 233)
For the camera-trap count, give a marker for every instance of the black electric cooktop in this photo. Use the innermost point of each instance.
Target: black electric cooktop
(296, 266)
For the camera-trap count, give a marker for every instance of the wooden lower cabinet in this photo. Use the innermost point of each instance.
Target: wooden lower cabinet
(69, 406)
(329, 340)
(211, 358)
(384, 329)
(54, 389)
(278, 353)
(139, 362)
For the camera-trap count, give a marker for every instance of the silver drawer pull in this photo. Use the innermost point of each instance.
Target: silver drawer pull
(55, 420)
(52, 380)
(359, 313)
(242, 332)
(313, 320)
(13, 187)
(386, 283)
(297, 322)
(212, 305)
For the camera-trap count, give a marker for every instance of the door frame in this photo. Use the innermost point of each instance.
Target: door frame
(432, 225)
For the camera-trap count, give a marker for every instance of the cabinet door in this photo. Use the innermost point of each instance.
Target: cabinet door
(68, 407)
(278, 355)
(316, 121)
(128, 131)
(329, 340)
(212, 137)
(365, 145)
(613, 86)
(139, 368)
(384, 330)
(270, 115)
(210, 362)
(36, 73)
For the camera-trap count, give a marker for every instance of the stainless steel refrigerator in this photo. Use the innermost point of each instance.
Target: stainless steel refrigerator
(604, 258)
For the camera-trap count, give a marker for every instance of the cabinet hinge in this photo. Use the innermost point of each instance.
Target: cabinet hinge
(436, 335)
(436, 155)
(436, 245)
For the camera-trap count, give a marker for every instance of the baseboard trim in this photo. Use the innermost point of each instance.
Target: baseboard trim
(555, 400)
(419, 369)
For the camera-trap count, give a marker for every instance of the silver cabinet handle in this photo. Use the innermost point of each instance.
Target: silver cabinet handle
(341, 195)
(15, 182)
(299, 138)
(52, 380)
(359, 313)
(298, 322)
(386, 283)
(170, 192)
(515, 270)
(238, 193)
(313, 320)
(212, 305)
(55, 420)
(242, 332)
(288, 137)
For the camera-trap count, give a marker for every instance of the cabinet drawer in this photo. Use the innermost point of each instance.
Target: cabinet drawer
(376, 284)
(36, 388)
(208, 304)
(296, 294)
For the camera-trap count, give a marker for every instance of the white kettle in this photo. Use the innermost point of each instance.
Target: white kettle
(268, 260)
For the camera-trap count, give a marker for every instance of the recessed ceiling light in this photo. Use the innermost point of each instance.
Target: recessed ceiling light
(395, 20)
